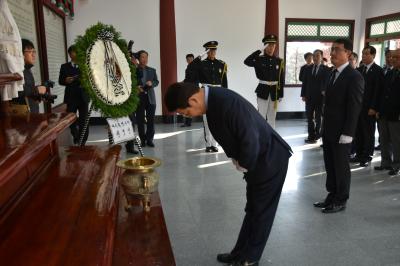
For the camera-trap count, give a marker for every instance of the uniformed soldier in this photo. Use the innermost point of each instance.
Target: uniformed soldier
(210, 72)
(271, 74)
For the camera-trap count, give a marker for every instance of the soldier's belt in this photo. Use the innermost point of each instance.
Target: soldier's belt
(269, 83)
(212, 85)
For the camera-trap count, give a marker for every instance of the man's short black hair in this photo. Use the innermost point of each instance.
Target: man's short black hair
(355, 55)
(178, 94)
(325, 59)
(142, 52)
(319, 51)
(189, 55)
(371, 49)
(347, 43)
(307, 55)
(71, 49)
(27, 44)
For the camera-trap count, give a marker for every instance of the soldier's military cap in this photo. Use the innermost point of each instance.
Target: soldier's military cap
(270, 38)
(211, 45)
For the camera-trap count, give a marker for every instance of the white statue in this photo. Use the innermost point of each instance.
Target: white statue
(11, 56)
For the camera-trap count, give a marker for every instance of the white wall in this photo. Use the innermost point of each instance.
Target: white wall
(237, 25)
(322, 9)
(135, 19)
(373, 8)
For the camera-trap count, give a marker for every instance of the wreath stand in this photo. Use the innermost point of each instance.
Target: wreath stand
(136, 140)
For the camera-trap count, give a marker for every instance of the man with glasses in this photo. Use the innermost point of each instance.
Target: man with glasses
(389, 119)
(343, 102)
(27, 96)
(365, 135)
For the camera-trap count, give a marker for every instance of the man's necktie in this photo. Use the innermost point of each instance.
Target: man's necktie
(333, 77)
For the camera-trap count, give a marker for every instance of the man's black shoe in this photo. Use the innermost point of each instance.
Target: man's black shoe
(150, 144)
(333, 208)
(364, 164)
(214, 149)
(209, 149)
(321, 204)
(355, 159)
(310, 141)
(184, 125)
(226, 258)
(394, 171)
(381, 168)
(244, 263)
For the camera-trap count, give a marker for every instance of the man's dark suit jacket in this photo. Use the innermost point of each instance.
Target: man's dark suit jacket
(343, 102)
(373, 86)
(303, 69)
(313, 86)
(73, 91)
(245, 135)
(389, 107)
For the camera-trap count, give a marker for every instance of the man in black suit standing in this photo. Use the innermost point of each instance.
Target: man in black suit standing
(365, 134)
(315, 80)
(74, 96)
(187, 121)
(147, 79)
(255, 148)
(343, 102)
(308, 57)
(389, 119)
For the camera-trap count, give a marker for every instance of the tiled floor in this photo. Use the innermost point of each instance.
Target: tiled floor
(203, 199)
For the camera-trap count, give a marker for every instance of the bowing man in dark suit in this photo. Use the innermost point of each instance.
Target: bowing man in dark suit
(365, 134)
(147, 79)
(255, 148)
(315, 80)
(343, 102)
(74, 96)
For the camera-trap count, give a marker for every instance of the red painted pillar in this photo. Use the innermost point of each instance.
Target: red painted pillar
(272, 19)
(167, 48)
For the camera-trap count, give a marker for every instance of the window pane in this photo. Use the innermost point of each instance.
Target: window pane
(394, 44)
(393, 26)
(377, 29)
(295, 57)
(302, 30)
(335, 31)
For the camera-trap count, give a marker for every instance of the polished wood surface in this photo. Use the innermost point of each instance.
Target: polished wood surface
(71, 217)
(27, 145)
(142, 238)
(8, 78)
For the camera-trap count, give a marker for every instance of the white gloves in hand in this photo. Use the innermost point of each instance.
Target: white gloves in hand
(345, 139)
(263, 48)
(238, 167)
(203, 54)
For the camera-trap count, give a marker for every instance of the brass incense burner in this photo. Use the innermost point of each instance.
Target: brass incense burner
(140, 179)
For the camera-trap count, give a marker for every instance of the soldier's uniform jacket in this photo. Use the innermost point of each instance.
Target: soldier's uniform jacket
(207, 72)
(269, 69)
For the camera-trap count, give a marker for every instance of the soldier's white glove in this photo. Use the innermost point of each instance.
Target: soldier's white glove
(203, 54)
(263, 47)
(345, 139)
(238, 167)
